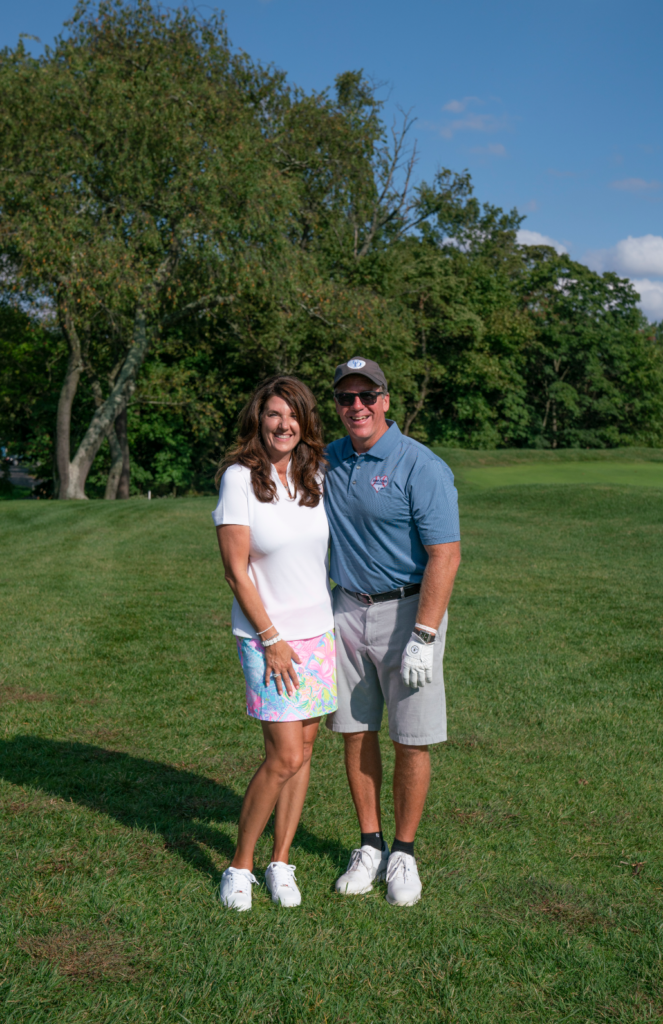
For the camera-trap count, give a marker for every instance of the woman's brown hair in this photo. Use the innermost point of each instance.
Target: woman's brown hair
(249, 449)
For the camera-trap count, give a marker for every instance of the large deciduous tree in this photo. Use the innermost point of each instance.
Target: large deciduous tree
(593, 371)
(135, 191)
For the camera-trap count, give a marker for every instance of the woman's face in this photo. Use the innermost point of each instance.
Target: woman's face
(279, 427)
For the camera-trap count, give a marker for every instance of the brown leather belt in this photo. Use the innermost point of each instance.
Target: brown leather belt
(389, 595)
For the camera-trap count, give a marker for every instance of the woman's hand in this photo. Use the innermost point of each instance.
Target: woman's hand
(279, 659)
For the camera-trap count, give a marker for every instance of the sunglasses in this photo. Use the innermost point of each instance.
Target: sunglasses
(347, 398)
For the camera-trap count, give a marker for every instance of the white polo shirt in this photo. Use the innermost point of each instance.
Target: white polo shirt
(287, 556)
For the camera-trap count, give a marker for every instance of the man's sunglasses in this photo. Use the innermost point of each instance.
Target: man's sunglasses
(347, 398)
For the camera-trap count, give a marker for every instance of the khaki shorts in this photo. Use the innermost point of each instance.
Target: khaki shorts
(369, 644)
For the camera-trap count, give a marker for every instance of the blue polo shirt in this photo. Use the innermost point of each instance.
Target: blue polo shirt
(383, 506)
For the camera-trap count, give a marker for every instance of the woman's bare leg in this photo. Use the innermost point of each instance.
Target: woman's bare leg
(291, 801)
(284, 756)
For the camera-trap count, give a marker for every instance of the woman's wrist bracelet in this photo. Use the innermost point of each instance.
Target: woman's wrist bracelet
(261, 631)
(426, 629)
(273, 640)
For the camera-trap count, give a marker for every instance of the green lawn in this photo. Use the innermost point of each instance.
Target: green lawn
(125, 752)
(625, 474)
(624, 467)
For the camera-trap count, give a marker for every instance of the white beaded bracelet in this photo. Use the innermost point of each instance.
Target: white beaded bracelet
(426, 629)
(272, 640)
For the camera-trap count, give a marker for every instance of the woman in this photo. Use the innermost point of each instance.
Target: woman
(273, 537)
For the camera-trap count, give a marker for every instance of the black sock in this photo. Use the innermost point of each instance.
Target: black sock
(373, 839)
(400, 847)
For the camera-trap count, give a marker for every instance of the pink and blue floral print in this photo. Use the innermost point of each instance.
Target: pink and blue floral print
(317, 681)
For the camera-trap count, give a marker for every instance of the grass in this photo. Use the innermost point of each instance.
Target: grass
(625, 474)
(125, 751)
(626, 467)
(460, 458)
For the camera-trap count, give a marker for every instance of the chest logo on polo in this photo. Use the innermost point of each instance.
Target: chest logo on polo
(378, 483)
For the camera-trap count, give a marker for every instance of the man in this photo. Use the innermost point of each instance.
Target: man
(395, 551)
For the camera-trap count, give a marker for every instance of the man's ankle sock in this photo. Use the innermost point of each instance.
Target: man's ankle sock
(400, 847)
(373, 839)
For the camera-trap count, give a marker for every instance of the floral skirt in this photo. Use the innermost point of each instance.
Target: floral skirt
(317, 680)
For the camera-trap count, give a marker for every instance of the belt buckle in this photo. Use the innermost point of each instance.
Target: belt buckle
(366, 598)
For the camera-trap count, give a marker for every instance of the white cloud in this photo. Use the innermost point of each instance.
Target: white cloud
(526, 237)
(640, 259)
(651, 298)
(635, 185)
(458, 106)
(631, 256)
(473, 123)
(494, 149)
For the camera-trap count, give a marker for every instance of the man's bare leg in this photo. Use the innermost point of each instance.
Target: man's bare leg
(363, 765)
(411, 782)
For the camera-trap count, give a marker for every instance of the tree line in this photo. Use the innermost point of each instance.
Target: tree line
(177, 222)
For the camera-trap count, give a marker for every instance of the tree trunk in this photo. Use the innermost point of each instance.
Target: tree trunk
(423, 394)
(116, 466)
(125, 470)
(545, 418)
(107, 414)
(65, 404)
(74, 472)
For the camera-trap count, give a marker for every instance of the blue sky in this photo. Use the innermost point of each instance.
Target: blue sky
(554, 108)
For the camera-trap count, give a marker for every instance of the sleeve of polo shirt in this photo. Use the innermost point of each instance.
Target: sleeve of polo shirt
(233, 507)
(434, 502)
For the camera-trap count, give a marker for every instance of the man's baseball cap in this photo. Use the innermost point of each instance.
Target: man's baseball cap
(365, 367)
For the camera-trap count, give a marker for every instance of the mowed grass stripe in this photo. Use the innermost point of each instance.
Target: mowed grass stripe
(125, 752)
(606, 474)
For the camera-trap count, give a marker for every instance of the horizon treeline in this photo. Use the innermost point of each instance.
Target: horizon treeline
(178, 222)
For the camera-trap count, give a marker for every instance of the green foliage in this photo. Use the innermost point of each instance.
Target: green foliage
(594, 371)
(178, 205)
(32, 362)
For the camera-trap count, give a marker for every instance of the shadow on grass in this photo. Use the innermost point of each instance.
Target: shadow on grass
(178, 804)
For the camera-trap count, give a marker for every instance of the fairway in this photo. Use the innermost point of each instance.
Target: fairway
(125, 752)
(625, 474)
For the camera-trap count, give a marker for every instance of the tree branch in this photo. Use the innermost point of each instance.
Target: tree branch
(193, 307)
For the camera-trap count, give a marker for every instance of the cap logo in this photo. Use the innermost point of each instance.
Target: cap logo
(356, 364)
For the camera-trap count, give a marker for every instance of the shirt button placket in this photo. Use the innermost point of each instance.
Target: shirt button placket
(354, 472)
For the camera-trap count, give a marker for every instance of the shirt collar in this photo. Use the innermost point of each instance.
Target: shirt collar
(381, 449)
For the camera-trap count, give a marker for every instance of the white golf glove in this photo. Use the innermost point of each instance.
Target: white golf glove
(417, 662)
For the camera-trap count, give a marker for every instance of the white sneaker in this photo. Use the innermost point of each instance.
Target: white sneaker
(403, 882)
(366, 865)
(235, 888)
(280, 880)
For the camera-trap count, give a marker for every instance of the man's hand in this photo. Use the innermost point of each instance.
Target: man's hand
(417, 662)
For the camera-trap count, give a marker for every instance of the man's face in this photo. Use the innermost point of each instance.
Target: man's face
(362, 421)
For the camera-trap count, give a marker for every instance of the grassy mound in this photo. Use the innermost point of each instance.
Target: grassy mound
(126, 750)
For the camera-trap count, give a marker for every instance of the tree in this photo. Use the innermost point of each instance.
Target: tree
(595, 370)
(135, 191)
(194, 225)
(32, 358)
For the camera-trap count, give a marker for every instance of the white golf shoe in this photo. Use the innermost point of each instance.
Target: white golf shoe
(280, 880)
(235, 888)
(366, 865)
(403, 882)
